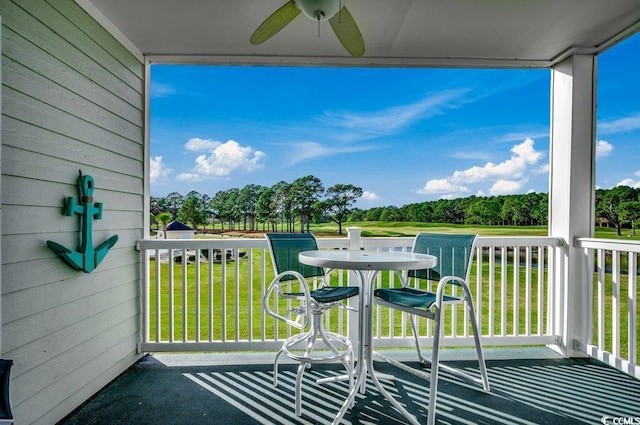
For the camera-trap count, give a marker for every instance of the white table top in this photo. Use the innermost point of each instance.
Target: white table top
(367, 260)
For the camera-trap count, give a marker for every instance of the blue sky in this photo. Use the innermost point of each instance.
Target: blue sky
(403, 135)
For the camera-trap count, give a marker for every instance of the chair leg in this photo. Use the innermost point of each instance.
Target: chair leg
(352, 374)
(476, 336)
(303, 365)
(301, 368)
(414, 328)
(326, 339)
(305, 359)
(435, 361)
(435, 365)
(347, 361)
(275, 369)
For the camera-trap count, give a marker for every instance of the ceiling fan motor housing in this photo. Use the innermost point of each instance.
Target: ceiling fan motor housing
(319, 10)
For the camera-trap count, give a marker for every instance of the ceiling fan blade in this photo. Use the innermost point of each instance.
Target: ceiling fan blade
(274, 23)
(348, 32)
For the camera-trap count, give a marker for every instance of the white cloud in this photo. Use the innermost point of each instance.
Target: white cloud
(449, 196)
(196, 144)
(507, 177)
(524, 155)
(303, 151)
(603, 148)
(370, 196)
(397, 117)
(225, 158)
(619, 125)
(514, 137)
(188, 177)
(441, 186)
(541, 169)
(629, 182)
(506, 187)
(158, 170)
(307, 150)
(162, 90)
(470, 154)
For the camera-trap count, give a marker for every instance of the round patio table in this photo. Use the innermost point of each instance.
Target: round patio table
(366, 265)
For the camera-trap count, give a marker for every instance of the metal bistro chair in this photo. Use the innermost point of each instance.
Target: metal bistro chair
(305, 308)
(455, 255)
(6, 417)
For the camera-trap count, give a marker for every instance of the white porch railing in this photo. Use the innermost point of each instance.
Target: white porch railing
(613, 330)
(205, 294)
(513, 295)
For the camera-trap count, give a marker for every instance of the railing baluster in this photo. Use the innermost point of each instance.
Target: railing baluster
(516, 290)
(503, 294)
(197, 306)
(632, 272)
(171, 297)
(492, 290)
(527, 297)
(185, 262)
(223, 294)
(250, 292)
(479, 305)
(540, 292)
(158, 288)
(210, 300)
(553, 291)
(263, 288)
(236, 281)
(601, 299)
(615, 304)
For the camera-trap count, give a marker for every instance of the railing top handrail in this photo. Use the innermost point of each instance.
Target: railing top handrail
(342, 242)
(610, 244)
(496, 241)
(201, 243)
(216, 243)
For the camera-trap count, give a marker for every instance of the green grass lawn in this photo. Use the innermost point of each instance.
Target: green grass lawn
(382, 228)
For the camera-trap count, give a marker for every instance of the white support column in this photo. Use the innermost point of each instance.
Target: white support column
(147, 152)
(571, 192)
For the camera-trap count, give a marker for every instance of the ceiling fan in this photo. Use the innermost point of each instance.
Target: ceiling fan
(341, 20)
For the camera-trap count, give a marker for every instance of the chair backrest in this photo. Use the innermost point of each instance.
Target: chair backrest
(454, 253)
(5, 406)
(285, 247)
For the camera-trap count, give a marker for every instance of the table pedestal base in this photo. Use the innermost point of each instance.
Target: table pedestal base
(365, 354)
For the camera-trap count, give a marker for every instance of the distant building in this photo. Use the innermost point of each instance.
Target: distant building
(177, 230)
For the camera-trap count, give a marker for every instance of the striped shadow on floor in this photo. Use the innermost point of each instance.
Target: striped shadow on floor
(524, 392)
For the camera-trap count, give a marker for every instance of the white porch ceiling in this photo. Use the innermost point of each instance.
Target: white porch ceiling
(482, 33)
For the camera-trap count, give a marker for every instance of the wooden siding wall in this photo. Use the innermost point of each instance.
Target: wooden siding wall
(73, 99)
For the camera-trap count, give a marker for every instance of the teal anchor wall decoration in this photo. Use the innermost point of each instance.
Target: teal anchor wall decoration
(86, 258)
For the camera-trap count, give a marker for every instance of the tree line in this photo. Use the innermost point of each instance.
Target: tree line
(255, 207)
(294, 206)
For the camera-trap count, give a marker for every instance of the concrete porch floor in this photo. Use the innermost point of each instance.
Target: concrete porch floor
(528, 386)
